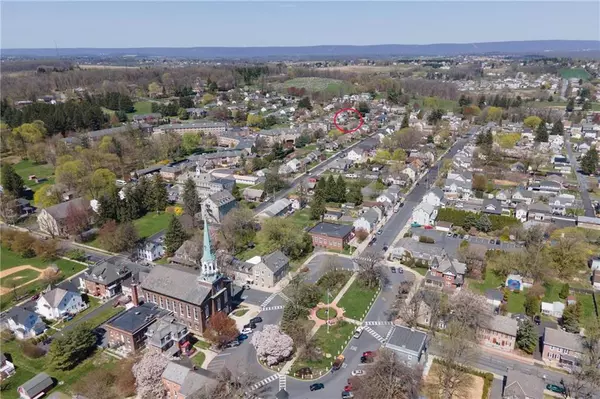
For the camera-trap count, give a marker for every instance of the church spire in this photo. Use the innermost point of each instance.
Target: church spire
(209, 264)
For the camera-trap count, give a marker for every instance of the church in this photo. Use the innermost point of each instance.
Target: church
(192, 298)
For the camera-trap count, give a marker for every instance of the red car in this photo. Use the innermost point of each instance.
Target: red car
(428, 227)
(369, 354)
(348, 388)
(35, 297)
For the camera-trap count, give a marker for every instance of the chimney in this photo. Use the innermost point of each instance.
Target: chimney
(134, 295)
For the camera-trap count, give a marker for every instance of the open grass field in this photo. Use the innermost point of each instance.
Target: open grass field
(26, 168)
(301, 218)
(19, 278)
(356, 300)
(141, 107)
(313, 84)
(577, 73)
(152, 223)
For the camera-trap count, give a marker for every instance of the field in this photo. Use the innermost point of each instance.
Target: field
(356, 301)
(318, 84)
(577, 73)
(141, 108)
(152, 223)
(27, 168)
(301, 219)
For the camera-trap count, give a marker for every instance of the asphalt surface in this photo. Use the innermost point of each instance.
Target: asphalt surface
(581, 179)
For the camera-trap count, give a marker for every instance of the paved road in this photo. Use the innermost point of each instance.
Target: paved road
(581, 179)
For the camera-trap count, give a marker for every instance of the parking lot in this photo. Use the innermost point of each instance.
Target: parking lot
(452, 242)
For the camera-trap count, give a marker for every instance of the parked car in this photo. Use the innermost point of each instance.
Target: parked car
(256, 319)
(246, 331)
(492, 241)
(379, 231)
(358, 372)
(455, 235)
(35, 297)
(400, 270)
(250, 325)
(556, 388)
(368, 354)
(347, 395)
(358, 332)
(348, 388)
(536, 319)
(233, 344)
(467, 237)
(449, 234)
(497, 242)
(68, 317)
(317, 386)
(393, 269)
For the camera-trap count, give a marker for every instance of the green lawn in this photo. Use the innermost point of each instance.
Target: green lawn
(141, 108)
(198, 358)
(93, 304)
(21, 277)
(492, 280)
(101, 317)
(202, 344)
(587, 306)
(301, 218)
(578, 73)
(335, 290)
(240, 312)
(152, 223)
(332, 343)
(27, 168)
(356, 300)
(27, 368)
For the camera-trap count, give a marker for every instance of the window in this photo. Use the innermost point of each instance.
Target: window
(168, 305)
(187, 308)
(219, 306)
(181, 308)
(154, 298)
(161, 302)
(195, 313)
(206, 311)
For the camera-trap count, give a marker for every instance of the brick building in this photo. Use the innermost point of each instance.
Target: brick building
(445, 273)
(500, 334)
(561, 349)
(331, 235)
(105, 278)
(183, 380)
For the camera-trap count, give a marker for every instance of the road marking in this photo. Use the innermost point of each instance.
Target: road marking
(281, 294)
(378, 323)
(223, 354)
(282, 381)
(344, 365)
(264, 382)
(375, 334)
(389, 334)
(278, 307)
(354, 348)
(268, 300)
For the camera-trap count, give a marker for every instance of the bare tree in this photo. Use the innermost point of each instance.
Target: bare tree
(227, 385)
(470, 310)
(585, 381)
(78, 219)
(370, 271)
(9, 210)
(388, 378)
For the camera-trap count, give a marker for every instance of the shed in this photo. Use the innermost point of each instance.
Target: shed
(37, 385)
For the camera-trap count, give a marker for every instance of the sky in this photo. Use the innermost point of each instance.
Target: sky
(123, 24)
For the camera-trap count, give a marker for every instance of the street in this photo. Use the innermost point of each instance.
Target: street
(581, 180)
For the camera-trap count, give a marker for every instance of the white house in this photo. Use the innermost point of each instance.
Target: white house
(368, 220)
(150, 251)
(554, 309)
(357, 155)
(424, 214)
(24, 323)
(294, 165)
(410, 171)
(521, 213)
(60, 301)
(434, 197)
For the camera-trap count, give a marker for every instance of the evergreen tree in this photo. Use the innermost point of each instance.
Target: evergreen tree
(317, 207)
(570, 318)
(175, 235)
(330, 191)
(483, 223)
(321, 188)
(108, 207)
(541, 133)
(532, 305)
(305, 103)
(527, 336)
(558, 128)
(159, 193)
(405, 121)
(354, 195)
(144, 191)
(470, 221)
(570, 105)
(589, 162)
(191, 203)
(237, 194)
(71, 348)
(340, 190)
(564, 291)
(11, 181)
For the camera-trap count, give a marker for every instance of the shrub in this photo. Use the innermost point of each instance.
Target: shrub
(408, 234)
(76, 254)
(31, 350)
(426, 240)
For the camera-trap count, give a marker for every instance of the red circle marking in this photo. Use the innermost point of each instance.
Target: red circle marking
(342, 129)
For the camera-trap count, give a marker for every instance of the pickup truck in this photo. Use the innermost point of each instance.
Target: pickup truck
(338, 362)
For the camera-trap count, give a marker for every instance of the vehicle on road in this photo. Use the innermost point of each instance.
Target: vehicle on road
(385, 247)
(428, 227)
(400, 270)
(242, 337)
(338, 363)
(358, 372)
(556, 388)
(492, 241)
(256, 319)
(455, 235)
(317, 386)
(233, 344)
(379, 232)
(348, 388)
(250, 325)
(467, 237)
(35, 297)
(449, 234)
(393, 269)
(369, 354)
(366, 359)
(358, 332)
(373, 241)
(497, 242)
(246, 330)
(536, 319)
(68, 317)
(346, 395)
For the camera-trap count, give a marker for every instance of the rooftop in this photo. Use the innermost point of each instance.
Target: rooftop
(562, 339)
(332, 230)
(136, 318)
(407, 338)
(178, 283)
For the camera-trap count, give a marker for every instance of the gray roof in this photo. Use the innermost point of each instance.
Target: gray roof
(417, 248)
(523, 386)
(253, 193)
(111, 270)
(190, 381)
(195, 125)
(222, 198)
(277, 207)
(61, 211)
(437, 192)
(494, 294)
(447, 265)
(111, 131)
(332, 229)
(562, 339)
(540, 207)
(37, 384)
(166, 326)
(406, 338)
(175, 372)
(137, 317)
(504, 324)
(54, 296)
(275, 261)
(177, 283)
(587, 219)
(22, 316)
(371, 216)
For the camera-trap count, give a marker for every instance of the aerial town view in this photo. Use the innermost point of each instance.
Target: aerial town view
(267, 200)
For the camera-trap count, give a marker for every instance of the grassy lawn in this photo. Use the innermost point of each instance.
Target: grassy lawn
(492, 280)
(587, 306)
(240, 312)
(202, 344)
(152, 223)
(198, 358)
(335, 290)
(301, 218)
(162, 261)
(356, 300)
(578, 73)
(102, 316)
(331, 343)
(27, 368)
(20, 277)
(93, 304)
(27, 168)
(141, 108)
(421, 270)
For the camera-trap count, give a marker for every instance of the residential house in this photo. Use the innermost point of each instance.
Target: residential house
(278, 208)
(424, 214)
(521, 212)
(332, 215)
(6, 368)
(150, 250)
(434, 197)
(539, 211)
(411, 172)
(36, 387)
(218, 205)
(492, 206)
(518, 167)
(494, 297)
(454, 188)
(173, 170)
(340, 165)
(331, 235)
(445, 273)
(406, 248)
(561, 203)
(60, 301)
(169, 336)
(522, 196)
(520, 385)
(54, 220)
(368, 220)
(554, 309)
(501, 333)
(594, 263)
(561, 349)
(188, 254)
(546, 186)
(104, 278)
(214, 128)
(182, 380)
(269, 269)
(192, 297)
(409, 344)
(24, 323)
(253, 195)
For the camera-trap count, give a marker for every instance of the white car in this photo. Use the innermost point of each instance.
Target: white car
(358, 372)
(247, 331)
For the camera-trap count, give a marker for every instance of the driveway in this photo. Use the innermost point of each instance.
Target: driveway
(109, 304)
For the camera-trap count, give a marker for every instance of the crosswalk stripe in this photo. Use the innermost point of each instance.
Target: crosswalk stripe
(264, 382)
(374, 334)
(282, 381)
(268, 300)
(281, 294)
(389, 334)
(278, 307)
(378, 323)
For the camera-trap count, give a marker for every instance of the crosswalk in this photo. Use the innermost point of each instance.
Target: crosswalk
(281, 294)
(389, 334)
(278, 307)
(265, 382)
(268, 300)
(378, 323)
(375, 334)
(282, 381)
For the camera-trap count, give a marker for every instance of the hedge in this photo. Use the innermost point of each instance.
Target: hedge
(426, 240)
(488, 378)
(459, 218)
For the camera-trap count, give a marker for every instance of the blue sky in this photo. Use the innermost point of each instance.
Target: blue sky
(251, 23)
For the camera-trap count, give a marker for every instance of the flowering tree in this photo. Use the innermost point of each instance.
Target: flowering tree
(148, 373)
(272, 345)
(221, 329)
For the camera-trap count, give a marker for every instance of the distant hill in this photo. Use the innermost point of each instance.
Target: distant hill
(540, 47)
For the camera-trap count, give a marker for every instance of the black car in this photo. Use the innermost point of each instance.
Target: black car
(250, 325)
(364, 359)
(536, 319)
(497, 242)
(257, 319)
(385, 247)
(317, 386)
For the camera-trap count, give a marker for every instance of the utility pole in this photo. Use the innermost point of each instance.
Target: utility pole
(328, 303)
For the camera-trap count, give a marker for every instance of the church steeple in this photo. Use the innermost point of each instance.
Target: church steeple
(209, 264)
